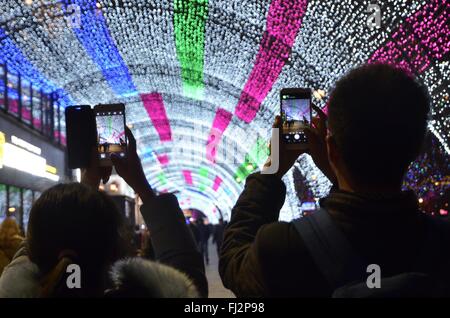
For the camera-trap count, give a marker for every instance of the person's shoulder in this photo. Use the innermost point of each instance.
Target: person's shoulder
(20, 279)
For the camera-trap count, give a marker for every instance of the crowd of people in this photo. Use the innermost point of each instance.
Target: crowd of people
(376, 123)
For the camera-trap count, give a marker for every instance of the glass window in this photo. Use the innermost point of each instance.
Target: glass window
(26, 101)
(3, 202)
(15, 204)
(13, 94)
(37, 120)
(36, 195)
(27, 203)
(46, 108)
(55, 120)
(63, 126)
(2, 87)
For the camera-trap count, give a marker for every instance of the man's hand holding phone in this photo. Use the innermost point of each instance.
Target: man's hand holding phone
(130, 169)
(286, 156)
(316, 146)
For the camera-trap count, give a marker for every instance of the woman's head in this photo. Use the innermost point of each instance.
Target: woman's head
(73, 221)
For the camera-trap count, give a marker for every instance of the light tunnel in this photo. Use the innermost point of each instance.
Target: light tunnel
(185, 67)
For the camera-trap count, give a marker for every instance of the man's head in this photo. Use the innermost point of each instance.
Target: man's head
(377, 124)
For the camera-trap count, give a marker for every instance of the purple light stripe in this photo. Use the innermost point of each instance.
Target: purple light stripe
(217, 183)
(188, 176)
(154, 105)
(283, 23)
(220, 123)
(424, 36)
(163, 159)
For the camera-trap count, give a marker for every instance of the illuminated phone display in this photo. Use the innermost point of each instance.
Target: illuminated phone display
(110, 133)
(295, 115)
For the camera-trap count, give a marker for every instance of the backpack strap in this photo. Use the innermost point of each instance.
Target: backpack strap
(330, 249)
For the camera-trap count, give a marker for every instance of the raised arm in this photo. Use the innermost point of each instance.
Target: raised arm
(172, 240)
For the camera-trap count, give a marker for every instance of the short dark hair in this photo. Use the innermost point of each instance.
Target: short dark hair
(378, 118)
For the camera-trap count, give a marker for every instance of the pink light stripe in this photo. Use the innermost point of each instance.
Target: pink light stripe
(283, 23)
(163, 159)
(217, 183)
(220, 123)
(188, 176)
(424, 36)
(154, 106)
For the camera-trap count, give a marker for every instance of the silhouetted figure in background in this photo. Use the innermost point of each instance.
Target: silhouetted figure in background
(205, 233)
(195, 232)
(137, 238)
(10, 240)
(218, 235)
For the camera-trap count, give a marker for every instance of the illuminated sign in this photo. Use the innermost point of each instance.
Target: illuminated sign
(308, 206)
(23, 156)
(25, 145)
(51, 169)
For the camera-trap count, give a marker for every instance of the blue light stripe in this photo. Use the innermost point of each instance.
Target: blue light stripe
(98, 43)
(12, 56)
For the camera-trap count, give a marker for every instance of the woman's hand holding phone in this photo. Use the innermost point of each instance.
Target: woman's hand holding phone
(130, 169)
(94, 173)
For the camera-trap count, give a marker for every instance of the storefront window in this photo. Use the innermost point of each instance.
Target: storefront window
(36, 195)
(37, 122)
(3, 202)
(27, 203)
(63, 126)
(56, 121)
(2, 87)
(15, 204)
(26, 101)
(46, 108)
(13, 94)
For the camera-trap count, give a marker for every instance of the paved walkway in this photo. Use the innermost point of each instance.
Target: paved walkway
(216, 289)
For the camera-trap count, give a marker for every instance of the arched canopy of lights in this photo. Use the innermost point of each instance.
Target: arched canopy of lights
(200, 78)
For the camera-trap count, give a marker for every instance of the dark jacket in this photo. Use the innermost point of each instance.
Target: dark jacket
(172, 240)
(263, 257)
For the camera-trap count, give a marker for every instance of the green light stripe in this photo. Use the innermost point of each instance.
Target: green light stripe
(203, 172)
(253, 159)
(162, 178)
(189, 24)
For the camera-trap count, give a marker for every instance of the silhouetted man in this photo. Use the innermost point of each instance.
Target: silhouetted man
(377, 123)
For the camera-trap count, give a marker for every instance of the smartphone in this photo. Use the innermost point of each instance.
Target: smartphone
(111, 137)
(80, 134)
(296, 114)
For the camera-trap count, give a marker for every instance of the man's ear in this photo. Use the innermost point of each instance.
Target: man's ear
(333, 153)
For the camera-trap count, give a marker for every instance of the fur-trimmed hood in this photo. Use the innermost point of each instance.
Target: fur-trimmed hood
(137, 277)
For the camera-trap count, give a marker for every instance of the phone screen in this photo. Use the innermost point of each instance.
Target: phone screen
(110, 133)
(296, 116)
